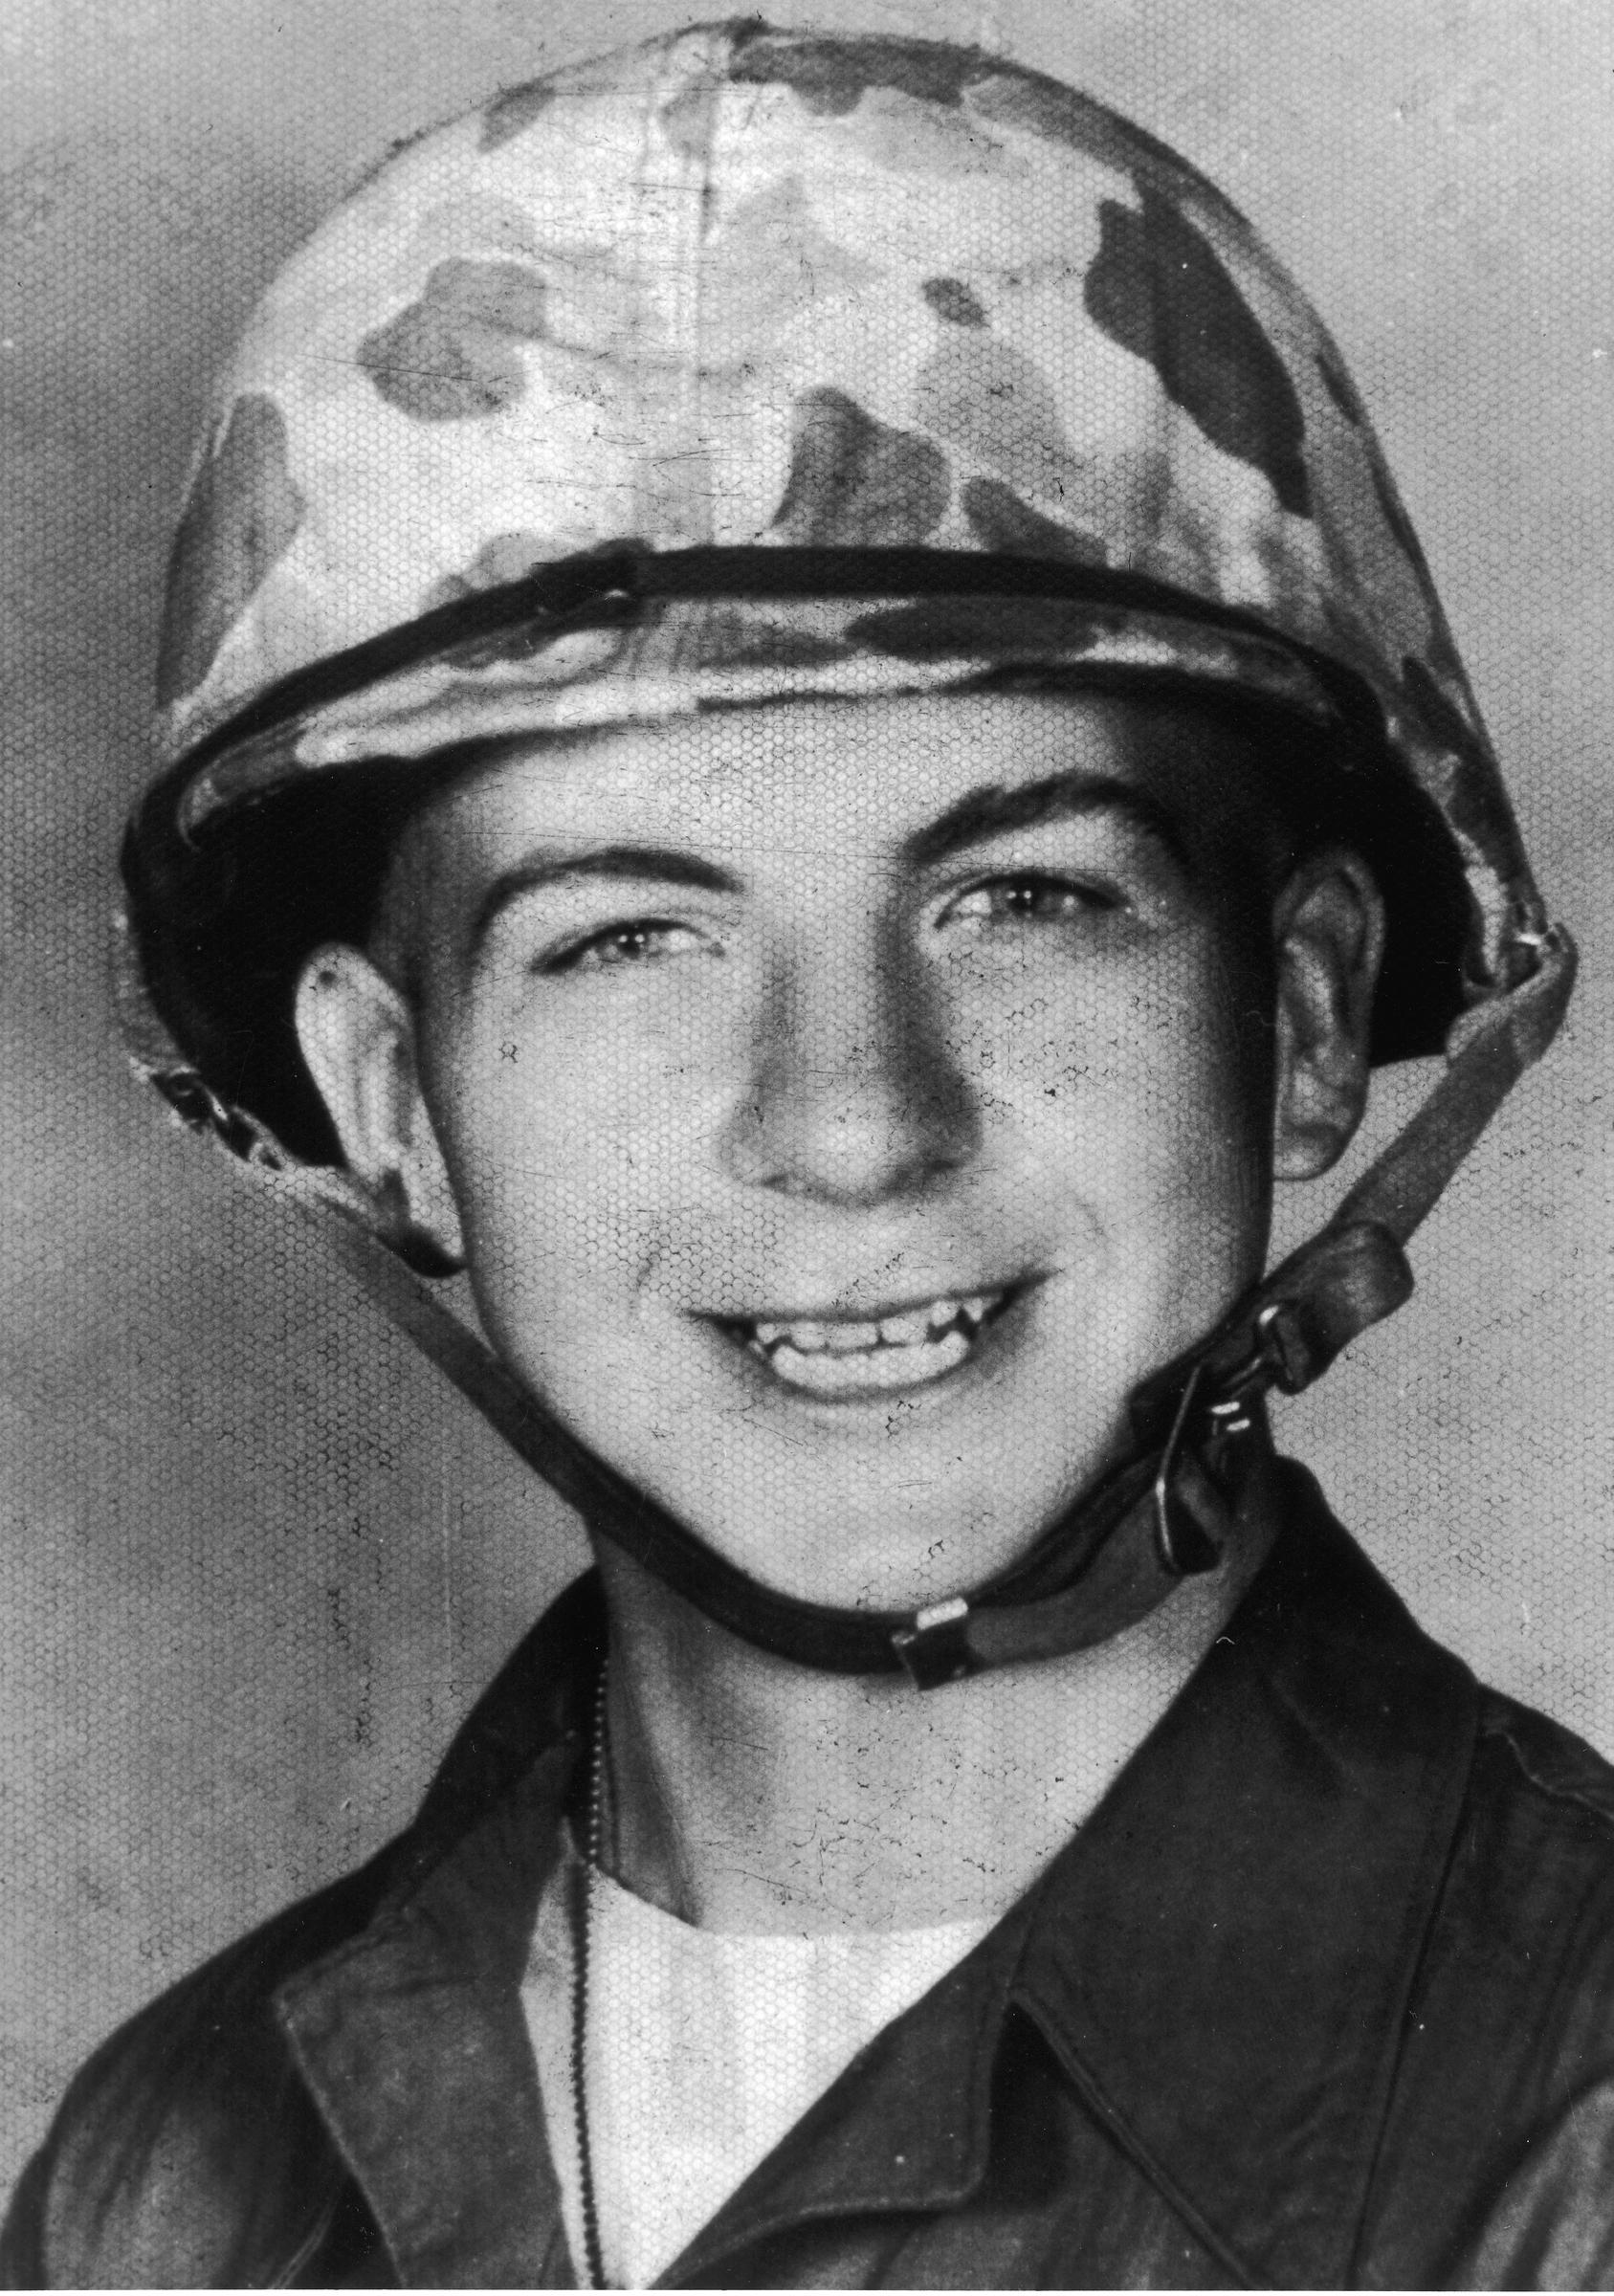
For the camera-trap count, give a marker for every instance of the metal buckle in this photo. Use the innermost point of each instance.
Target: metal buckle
(1280, 1349)
(1278, 1358)
(936, 1647)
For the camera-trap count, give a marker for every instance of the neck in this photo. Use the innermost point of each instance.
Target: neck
(747, 1794)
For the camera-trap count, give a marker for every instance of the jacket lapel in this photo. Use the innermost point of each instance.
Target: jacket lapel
(1222, 1957)
(411, 2038)
(907, 2128)
(427, 2086)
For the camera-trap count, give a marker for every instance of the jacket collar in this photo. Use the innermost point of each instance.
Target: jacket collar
(410, 2036)
(1224, 1956)
(1220, 1959)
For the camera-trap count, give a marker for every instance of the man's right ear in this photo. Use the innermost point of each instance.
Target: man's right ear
(357, 1041)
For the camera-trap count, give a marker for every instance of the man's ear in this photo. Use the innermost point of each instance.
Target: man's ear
(358, 1040)
(1328, 935)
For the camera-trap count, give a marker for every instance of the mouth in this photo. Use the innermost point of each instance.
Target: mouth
(850, 1357)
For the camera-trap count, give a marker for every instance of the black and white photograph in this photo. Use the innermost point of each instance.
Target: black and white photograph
(808, 1156)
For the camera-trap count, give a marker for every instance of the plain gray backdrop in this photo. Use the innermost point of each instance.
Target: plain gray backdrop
(255, 1561)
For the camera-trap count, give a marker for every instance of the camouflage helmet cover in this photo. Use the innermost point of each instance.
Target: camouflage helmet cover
(740, 288)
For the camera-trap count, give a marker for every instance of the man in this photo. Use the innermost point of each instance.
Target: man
(802, 728)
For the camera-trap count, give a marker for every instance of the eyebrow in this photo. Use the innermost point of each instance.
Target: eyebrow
(627, 863)
(993, 812)
(984, 813)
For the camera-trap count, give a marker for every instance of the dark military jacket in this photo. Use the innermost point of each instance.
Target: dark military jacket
(1321, 1995)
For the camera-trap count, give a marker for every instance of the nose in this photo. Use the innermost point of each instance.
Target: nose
(855, 1096)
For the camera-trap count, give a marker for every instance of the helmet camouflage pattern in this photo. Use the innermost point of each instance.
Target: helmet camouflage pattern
(741, 289)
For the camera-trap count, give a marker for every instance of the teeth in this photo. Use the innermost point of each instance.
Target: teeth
(948, 1323)
(876, 1367)
(807, 1339)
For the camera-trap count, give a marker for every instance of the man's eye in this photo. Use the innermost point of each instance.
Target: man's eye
(644, 942)
(1032, 899)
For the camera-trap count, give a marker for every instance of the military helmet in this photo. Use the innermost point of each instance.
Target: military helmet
(749, 364)
(745, 290)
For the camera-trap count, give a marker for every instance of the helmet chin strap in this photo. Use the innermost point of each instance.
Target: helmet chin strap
(1163, 1512)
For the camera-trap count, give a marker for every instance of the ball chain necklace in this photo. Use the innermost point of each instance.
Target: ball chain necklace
(581, 1907)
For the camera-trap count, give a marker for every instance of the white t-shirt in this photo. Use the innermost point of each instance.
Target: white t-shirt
(703, 2049)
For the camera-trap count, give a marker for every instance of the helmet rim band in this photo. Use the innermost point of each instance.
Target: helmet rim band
(618, 583)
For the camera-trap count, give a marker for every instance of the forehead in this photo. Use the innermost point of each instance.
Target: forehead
(868, 777)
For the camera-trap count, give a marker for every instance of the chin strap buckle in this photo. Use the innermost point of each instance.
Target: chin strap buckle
(1185, 1543)
(1182, 1542)
(936, 1647)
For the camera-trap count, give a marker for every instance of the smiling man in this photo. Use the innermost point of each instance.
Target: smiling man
(844, 1109)
(802, 729)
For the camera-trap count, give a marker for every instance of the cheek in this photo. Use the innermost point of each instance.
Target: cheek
(570, 1143)
(1134, 1082)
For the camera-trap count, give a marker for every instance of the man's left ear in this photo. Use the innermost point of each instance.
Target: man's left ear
(1329, 935)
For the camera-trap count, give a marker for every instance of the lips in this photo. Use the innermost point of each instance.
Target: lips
(846, 1356)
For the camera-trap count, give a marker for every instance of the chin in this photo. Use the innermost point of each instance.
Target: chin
(891, 1528)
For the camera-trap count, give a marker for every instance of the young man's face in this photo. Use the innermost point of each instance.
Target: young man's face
(845, 1105)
